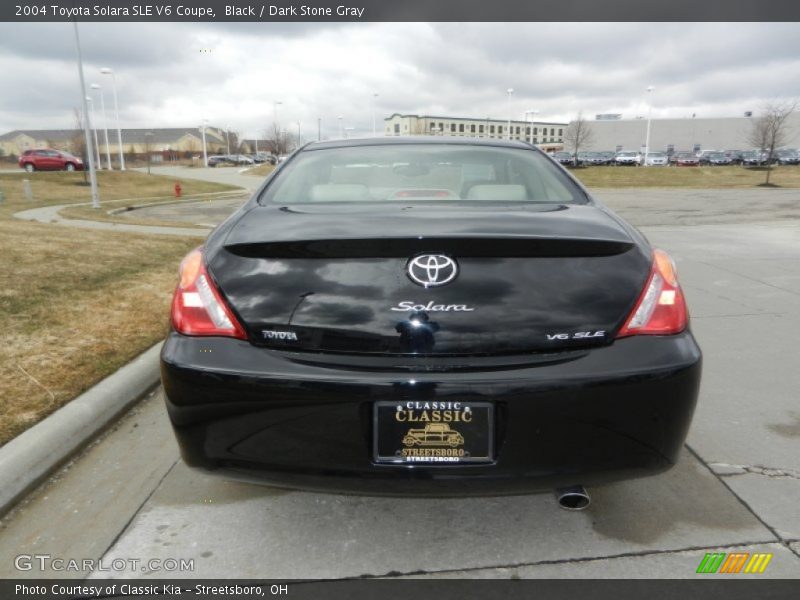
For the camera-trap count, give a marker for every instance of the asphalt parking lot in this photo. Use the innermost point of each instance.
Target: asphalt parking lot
(736, 488)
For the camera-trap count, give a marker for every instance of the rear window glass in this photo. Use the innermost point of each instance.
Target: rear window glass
(424, 172)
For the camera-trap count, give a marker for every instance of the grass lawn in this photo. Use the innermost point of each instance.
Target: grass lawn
(688, 177)
(77, 304)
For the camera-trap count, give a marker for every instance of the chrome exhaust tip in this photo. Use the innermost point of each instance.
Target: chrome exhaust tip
(573, 498)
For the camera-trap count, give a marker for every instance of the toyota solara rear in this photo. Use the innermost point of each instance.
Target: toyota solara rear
(428, 317)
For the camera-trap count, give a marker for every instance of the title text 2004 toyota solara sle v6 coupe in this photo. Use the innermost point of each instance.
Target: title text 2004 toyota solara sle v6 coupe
(428, 317)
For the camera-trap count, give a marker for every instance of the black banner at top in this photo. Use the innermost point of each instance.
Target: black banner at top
(399, 10)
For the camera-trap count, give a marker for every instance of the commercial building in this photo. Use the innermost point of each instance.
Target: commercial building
(691, 134)
(547, 135)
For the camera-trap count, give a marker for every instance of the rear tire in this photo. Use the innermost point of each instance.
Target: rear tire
(29, 167)
(69, 167)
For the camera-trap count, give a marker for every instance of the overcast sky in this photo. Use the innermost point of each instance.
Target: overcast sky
(171, 74)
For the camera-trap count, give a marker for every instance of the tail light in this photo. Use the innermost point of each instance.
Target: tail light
(661, 308)
(197, 307)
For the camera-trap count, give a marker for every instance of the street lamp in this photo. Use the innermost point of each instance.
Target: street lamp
(509, 91)
(650, 89)
(319, 129)
(87, 125)
(533, 114)
(107, 71)
(228, 138)
(341, 134)
(374, 127)
(96, 86)
(96, 143)
(205, 150)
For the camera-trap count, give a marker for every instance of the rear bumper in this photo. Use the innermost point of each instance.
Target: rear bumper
(612, 413)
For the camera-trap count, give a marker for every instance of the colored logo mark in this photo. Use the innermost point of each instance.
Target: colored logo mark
(734, 562)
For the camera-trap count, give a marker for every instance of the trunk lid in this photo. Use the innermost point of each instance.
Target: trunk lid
(533, 278)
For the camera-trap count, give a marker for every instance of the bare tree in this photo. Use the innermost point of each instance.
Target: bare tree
(232, 141)
(770, 130)
(578, 135)
(278, 141)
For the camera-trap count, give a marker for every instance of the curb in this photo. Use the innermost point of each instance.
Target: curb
(182, 200)
(33, 455)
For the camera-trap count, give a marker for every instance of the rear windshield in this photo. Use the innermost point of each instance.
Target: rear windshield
(424, 172)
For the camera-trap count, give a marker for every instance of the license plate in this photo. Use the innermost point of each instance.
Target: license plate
(433, 432)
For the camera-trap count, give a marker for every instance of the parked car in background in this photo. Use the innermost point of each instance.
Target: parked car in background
(656, 159)
(787, 157)
(47, 159)
(242, 159)
(596, 159)
(626, 158)
(735, 156)
(264, 157)
(565, 158)
(752, 157)
(609, 156)
(218, 159)
(718, 159)
(685, 159)
(703, 155)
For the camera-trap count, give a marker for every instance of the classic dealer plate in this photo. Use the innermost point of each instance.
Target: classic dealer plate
(433, 432)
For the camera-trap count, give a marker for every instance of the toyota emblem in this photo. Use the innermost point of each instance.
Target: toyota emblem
(431, 270)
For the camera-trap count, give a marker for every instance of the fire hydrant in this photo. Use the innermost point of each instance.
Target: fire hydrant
(178, 189)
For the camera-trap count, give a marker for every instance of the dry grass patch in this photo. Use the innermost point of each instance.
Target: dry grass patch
(686, 177)
(75, 305)
(59, 187)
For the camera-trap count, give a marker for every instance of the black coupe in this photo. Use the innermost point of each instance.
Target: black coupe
(429, 316)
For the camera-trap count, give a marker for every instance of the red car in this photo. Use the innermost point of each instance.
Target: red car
(49, 160)
(685, 159)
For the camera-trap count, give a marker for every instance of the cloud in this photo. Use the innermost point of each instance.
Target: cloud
(234, 73)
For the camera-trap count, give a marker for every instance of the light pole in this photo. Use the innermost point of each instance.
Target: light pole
(96, 86)
(299, 134)
(86, 125)
(509, 91)
(374, 128)
(650, 89)
(96, 143)
(319, 129)
(205, 150)
(228, 138)
(341, 132)
(533, 114)
(107, 71)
